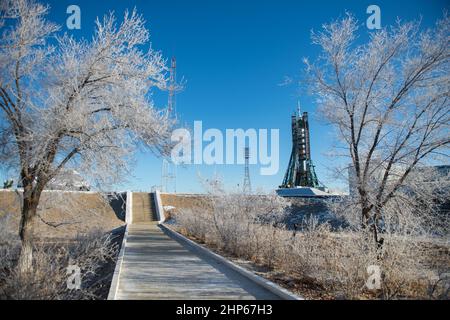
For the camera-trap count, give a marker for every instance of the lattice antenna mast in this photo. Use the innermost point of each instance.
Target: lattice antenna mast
(164, 175)
(168, 176)
(172, 86)
(169, 169)
(247, 187)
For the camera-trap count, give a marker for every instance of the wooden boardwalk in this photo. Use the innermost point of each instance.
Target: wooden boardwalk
(155, 266)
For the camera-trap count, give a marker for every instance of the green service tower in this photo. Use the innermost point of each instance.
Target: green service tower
(300, 172)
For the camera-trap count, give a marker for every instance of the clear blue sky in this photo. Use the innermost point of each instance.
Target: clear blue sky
(233, 55)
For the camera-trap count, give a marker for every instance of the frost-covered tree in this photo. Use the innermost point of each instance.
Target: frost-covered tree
(388, 98)
(80, 103)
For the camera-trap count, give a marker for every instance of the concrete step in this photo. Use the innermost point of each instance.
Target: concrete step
(144, 209)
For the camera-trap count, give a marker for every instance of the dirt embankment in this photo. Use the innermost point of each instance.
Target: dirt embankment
(299, 209)
(64, 215)
(173, 203)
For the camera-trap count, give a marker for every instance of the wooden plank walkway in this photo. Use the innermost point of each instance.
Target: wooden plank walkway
(155, 266)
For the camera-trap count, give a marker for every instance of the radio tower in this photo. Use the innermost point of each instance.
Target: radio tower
(168, 176)
(247, 187)
(169, 169)
(172, 86)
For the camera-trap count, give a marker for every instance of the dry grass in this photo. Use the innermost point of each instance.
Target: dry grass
(48, 279)
(333, 263)
(78, 233)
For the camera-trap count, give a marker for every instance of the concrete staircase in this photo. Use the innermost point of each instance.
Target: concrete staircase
(143, 205)
(152, 264)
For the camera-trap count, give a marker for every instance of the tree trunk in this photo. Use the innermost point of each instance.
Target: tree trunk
(377, 229)
(365, 216)
(371, 224)
(29, 209)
